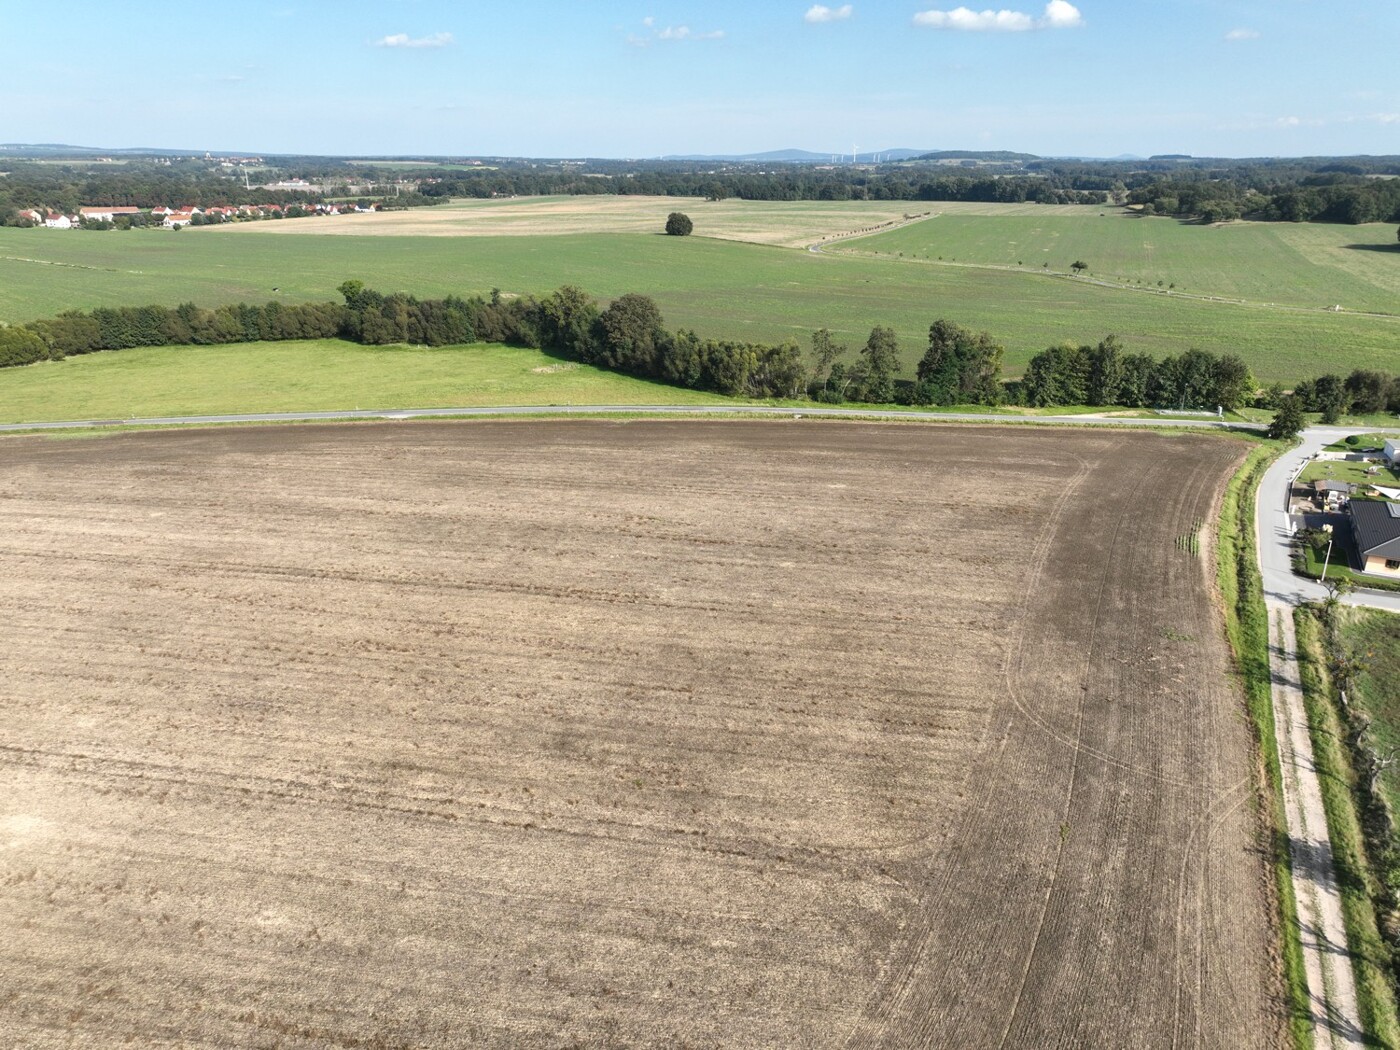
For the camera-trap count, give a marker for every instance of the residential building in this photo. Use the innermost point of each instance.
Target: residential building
(1376, 526)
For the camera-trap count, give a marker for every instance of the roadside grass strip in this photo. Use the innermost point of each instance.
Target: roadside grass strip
(1247, 627)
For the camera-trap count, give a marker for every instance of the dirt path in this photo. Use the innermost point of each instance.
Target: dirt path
(1331, 986)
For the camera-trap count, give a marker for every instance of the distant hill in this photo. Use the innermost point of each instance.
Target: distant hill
(55, 149)
(997, 156)
(798, 156)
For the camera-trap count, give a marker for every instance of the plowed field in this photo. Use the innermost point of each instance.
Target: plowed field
(644, 734)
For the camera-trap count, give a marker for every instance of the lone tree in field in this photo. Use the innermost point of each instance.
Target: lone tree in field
(1079, 266)
(678, 224)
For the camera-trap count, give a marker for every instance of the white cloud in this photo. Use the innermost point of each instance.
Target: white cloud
(1059, 14)
(404, 40)
(1242, 34)
(821, 13)
(654, 34)
(686, 33)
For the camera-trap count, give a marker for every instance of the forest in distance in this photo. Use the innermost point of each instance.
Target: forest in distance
(1336, 190)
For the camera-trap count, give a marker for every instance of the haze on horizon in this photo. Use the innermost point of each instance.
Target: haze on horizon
(432, 77)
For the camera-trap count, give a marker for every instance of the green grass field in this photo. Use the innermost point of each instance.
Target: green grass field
(718, 288)
(1374, 636)
(1298, 264)
(312, 375)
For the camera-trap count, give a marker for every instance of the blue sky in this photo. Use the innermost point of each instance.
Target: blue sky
(529, 78)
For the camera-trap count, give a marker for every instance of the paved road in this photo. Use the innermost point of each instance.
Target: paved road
(526, 410)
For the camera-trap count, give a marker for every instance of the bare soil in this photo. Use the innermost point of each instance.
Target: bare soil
(643, 734)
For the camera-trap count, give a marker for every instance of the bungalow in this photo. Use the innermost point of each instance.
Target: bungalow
(177, 219)
(1376, 527)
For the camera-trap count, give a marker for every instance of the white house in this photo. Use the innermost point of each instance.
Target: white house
(1392, 451)
(106, 214)
(55, 221)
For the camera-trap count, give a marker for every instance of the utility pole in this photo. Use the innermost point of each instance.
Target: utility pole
(1327, 560)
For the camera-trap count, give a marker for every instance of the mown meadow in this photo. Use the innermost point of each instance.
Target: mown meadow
(313, 375)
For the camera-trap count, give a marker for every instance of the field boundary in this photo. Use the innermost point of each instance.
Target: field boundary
(896, 415)
(1355, 876)
(1247, 629)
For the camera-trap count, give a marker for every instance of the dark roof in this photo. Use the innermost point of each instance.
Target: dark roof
(1329, 485)
(1377, 528)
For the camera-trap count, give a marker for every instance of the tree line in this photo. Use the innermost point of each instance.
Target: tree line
(959, 366)
(793, 183)
(1333, 196)
(1107, 375)
(1365, 391)
(629, 336)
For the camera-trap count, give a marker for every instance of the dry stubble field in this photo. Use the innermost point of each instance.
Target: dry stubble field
(790, 224)
(557, 734)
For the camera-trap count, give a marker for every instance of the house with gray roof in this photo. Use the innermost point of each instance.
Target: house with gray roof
(1331, 493)
(1376, 526)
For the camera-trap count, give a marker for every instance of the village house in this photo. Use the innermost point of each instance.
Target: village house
(56, 221)
(106, 214)
(1376, 526)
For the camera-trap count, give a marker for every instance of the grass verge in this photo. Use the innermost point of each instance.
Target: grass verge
(1247, 626)
(1355, 875)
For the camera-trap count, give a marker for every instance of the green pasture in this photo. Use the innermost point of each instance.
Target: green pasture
(1312, 265)
(312, 375)
(1375, 637)
(718, 288)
